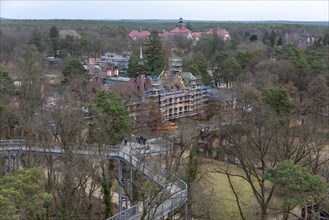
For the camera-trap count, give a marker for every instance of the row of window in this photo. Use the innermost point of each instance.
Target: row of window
(179, 114)
(180, 109)
(180, 99)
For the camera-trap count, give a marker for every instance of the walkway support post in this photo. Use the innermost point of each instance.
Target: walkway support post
(186, 211)
(18, 162)
(131, 181)
(120, 185)
(10, 162)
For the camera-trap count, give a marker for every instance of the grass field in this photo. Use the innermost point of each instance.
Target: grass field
(226, 206)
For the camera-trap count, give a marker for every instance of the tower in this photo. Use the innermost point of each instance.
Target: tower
(181, 23)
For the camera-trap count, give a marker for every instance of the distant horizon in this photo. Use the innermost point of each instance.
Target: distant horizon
(157, 19)
(215, 10)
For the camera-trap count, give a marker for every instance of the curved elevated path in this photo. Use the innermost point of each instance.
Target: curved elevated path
(174, 190)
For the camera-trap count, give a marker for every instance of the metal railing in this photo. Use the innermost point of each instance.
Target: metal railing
(173, 195)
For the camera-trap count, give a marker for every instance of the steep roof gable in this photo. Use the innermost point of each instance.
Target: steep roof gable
(139, 34)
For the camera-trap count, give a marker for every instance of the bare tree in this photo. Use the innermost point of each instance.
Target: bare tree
(65, 128)
(256, 141)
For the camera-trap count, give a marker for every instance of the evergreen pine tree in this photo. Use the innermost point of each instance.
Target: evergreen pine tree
(153, 54)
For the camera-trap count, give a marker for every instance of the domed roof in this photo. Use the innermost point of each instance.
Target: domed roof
(181, 22)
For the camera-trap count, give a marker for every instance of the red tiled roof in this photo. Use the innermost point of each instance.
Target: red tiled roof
(139, 34)
(197, 34)
(164, 34)
(105, 66)
(219, 32)
(222, 32)
(179, 29)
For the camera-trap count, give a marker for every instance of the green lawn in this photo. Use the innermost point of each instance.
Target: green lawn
(226, 203)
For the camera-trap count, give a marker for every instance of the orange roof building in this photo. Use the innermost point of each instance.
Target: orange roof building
(139, 34)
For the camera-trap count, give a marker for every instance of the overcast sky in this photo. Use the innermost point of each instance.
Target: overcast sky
(219, 10)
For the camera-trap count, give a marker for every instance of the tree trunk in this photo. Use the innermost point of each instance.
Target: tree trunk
(264, 212)
(285, 215)
(236, 197)
(106, 190)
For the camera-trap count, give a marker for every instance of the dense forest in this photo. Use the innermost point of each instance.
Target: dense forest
(271, 151)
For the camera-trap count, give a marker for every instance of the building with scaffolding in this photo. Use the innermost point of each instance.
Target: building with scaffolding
(171, 95)
(178, 98)
(155, 101)
(168, 98)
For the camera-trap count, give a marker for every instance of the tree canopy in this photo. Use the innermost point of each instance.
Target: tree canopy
(153, 53)
(137, 66)
(278, 101)
(111, 116)
(6, 88)
(294, 180)
(296, 185)
(73, 69)
(24, 190)
(198, 66)
(6, 83)
(54, 40)
(231, 69)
